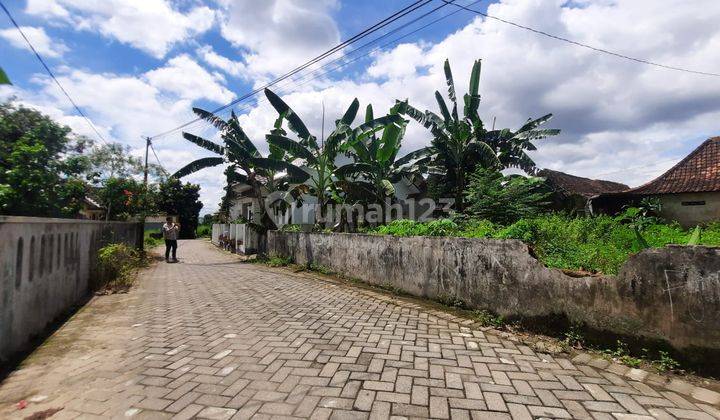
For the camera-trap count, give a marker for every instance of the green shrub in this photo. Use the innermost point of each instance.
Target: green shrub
(152, 238)
(117, 266)
(203, 231)
(598, 244)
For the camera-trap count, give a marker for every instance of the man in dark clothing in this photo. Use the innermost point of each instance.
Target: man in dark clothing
(170, 233)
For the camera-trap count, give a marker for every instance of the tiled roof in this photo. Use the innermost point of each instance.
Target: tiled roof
(578, 185)
(698, 172)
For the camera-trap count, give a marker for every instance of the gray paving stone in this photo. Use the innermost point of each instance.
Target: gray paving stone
(214, 338)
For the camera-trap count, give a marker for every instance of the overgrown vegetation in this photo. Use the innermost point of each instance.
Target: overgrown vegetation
(598, 244)
(117, 267)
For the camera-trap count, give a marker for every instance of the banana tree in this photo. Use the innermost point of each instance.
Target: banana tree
(461, 144)
(246, 164)
(376, 168)
(318, 160)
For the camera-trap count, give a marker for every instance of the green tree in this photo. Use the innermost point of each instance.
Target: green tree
(318, 159)
(376, 167)
(459, 145)
(183, 200)
(125, 198)
(505, 199)
(246, 164)
(37, 176)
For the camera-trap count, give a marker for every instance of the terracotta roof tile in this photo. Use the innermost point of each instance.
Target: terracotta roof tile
(578, 185)
(698, 172)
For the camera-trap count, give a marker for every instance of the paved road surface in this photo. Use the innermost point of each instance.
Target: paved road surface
(214, 338)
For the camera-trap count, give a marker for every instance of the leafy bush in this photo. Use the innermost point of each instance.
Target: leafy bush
(505, 199)
(152, 238)
(596, 244)
(117, 265)
(203, 231)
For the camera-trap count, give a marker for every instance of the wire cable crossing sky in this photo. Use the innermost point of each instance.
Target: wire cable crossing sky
(638, 89)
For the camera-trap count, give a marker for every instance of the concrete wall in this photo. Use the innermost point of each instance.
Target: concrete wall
(691, 215)
(241, 239)
(47, 265)
(671, 294)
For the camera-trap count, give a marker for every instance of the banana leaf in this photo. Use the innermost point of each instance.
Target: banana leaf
(4, 79)
(216, 121)
(451, 88)
(294, 122)
(292, 147)
(206, 144)
(197, 165)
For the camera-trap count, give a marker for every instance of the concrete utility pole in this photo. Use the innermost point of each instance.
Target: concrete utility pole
(147, 149)
(141, 238)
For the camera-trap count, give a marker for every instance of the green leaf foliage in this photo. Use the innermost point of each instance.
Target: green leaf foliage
(504, 200)
(197, 165)
(594, 244)
(4, 80)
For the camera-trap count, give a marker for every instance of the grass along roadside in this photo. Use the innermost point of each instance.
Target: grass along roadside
(117, 268)
(599, 244)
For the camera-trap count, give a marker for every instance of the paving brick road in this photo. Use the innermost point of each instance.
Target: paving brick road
(213, 338)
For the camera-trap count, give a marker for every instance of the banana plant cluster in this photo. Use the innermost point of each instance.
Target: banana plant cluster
(303, 165)
(461, 144)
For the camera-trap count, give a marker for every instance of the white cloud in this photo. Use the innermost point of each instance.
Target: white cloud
(212, 58)
(46, 9)
(153, 26)
(37, 36)
(615, 114)
(277, 35)
(187, 79)
(621, 120)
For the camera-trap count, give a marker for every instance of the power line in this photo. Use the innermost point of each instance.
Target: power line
(580, 44)
(47, 68)
(317, 72)
(158, 160)
(362, 34)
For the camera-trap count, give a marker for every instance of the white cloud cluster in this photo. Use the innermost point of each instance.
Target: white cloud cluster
(278, 35)
(186, 78)
(153, 26)
(621, 120)
(45, 46)
(212, 58)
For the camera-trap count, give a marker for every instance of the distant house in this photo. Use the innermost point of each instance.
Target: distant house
(91, 210)
(689, 192)
(573, 193)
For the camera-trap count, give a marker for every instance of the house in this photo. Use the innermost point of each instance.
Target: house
(689, 192)
(573, 193)
(91, 210)
(407, 193)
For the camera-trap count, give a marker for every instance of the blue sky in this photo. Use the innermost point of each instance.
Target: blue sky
(137, 68)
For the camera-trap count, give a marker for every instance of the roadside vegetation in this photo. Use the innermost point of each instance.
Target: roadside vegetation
(117, 268)
(599, 244)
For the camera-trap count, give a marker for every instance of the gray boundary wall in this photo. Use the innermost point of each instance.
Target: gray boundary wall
(47, 266)
(671, 293)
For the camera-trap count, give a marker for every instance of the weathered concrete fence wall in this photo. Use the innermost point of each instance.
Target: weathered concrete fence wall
(46, 268)
(671, 293)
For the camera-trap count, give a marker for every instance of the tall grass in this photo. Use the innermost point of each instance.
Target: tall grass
(596, 244)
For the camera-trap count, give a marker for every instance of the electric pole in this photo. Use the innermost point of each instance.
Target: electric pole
(147, 149)
(141, 238)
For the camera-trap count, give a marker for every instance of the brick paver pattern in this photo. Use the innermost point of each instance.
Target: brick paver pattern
(212, 337)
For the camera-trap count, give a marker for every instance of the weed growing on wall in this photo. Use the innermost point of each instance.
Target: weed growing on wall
(117, 267)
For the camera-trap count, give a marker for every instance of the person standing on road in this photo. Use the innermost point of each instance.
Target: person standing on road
(170, 234)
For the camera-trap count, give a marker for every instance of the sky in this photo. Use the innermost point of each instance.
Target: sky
(137, 68)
